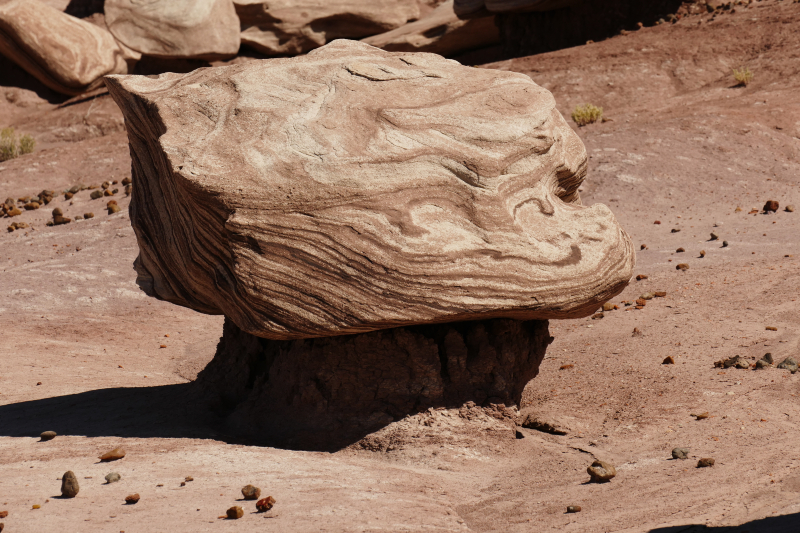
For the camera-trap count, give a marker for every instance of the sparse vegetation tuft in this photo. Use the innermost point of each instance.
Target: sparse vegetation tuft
(743, 76)
(12, 146)
(587, 114)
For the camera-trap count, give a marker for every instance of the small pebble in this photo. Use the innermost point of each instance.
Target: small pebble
(48, 435)
(188, 478)
(640, 277)
(88, 215)
(183, 483)
(235, 512)
(675, 230)
(660, 294)
(772, 328)
(113, 455)
(771, 206)
(682, 266)
(647, 296)
(704, 462)
(132, 499)
(3, 514)
(701, 416)
(636, 333)
(573, 508)
(702, 253)
(36, 506)
(680, 250)
(724, 244)
(126, 181)
(680, 453)
(96, 194)
(601, 471)
(789, 208)
(113, 477)
(714, 237)
(643, 247)
(251, 492)
(789, 364)
(265, 504)
(669, 360)
(57, 212)
(69, 485)
(598, 316)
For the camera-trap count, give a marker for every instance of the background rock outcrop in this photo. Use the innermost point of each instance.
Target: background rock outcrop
(290, 27)
(354, 189)
(66, 54)
(440, 32)
(197, 29)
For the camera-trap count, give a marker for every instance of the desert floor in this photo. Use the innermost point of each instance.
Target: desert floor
(80, 347)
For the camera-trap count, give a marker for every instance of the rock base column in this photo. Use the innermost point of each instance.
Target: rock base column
(326, 393)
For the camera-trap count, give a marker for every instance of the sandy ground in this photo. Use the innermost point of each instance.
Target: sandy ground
(683, 147)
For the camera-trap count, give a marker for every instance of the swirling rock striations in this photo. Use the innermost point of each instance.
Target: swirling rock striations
(292, 27)
(354, 189)
(196, 29)
(66, 54)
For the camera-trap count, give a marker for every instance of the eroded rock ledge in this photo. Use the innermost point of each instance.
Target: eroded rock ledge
(327, 393)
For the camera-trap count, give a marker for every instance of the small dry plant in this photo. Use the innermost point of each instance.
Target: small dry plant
(12, 146)
(743, 76)
(587, 114)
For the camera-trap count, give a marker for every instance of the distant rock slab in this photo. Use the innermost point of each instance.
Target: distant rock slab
(354, 189)
(66, 54)
(441, 32)
(292, 27)
(196, 29)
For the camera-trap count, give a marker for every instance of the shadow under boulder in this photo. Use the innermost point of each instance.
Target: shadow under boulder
(327, 393)
(537, 32)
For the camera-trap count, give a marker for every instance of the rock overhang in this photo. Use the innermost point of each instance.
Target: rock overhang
(354, 189)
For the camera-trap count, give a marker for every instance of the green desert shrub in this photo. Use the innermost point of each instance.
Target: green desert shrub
(743, 76)
(587, 114)
(12, 146)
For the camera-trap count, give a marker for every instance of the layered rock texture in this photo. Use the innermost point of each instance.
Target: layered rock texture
(441, 32)
(327, 393)
(196, 29)
(66, 54)
(353, 190)
(291, 27)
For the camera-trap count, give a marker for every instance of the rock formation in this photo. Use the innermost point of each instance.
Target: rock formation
(326, 393)
(291, 27)
(66, 54)
(383, 231)
(197, 29)
(441, 32)
(408, 188)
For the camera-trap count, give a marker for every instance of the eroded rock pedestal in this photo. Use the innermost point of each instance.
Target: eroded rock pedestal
(329, 392)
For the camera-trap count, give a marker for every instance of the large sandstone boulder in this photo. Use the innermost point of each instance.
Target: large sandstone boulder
(292, 27)
(441, 32)
(354, 189)
(66, 54)
(197, 29)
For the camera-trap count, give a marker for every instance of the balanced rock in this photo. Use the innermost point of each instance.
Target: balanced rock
(354, 189)
(291, 27)
(66, 54)
(441, 32)
(198, 29)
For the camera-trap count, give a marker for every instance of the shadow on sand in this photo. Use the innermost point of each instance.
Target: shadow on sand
(789, 523)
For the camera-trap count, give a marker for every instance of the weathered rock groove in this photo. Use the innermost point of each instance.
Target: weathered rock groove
(329, 392)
